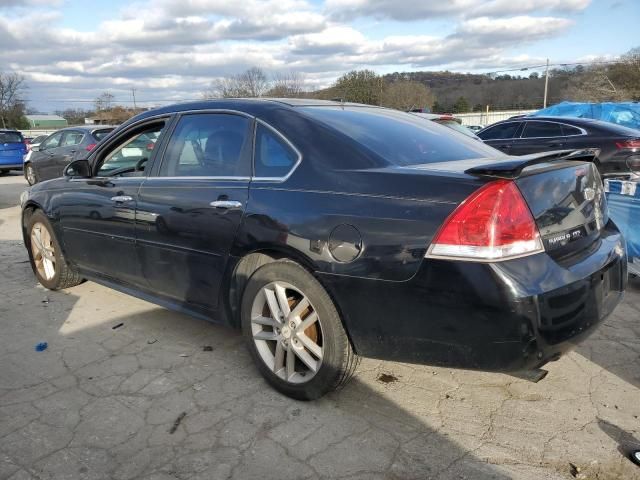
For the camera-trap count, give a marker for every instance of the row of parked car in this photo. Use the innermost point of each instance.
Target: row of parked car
(326, 231)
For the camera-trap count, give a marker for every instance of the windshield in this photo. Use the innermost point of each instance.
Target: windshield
(10, 137)
(401, 138)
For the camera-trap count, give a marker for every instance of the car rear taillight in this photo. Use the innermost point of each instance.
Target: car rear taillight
(150, 146)
(90, 147)
(629, 144)
(494, 223)
(27, 145)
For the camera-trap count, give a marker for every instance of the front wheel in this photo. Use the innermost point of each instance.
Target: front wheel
(294, 332)
(47, 260)
(30, 174)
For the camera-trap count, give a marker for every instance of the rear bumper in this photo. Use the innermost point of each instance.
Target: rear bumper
(507, 316)
(11, 165)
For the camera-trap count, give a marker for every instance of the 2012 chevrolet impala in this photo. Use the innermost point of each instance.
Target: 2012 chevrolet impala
(328, 231)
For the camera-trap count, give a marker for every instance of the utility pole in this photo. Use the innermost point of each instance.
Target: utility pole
(133, 93)
(546, 85)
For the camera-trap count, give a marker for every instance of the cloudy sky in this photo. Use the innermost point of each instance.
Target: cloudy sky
(171, 50)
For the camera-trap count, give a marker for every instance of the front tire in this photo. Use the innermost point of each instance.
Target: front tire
(30, 174)
(294, 332)
(47, 261)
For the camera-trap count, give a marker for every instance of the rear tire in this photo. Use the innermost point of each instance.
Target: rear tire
(47, 261)
(302, 349)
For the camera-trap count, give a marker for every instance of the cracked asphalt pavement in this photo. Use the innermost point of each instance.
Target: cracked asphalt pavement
(146, 400)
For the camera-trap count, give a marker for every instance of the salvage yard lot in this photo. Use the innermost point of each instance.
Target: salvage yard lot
(125, 390)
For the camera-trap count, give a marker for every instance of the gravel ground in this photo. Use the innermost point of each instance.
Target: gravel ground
(145, 400)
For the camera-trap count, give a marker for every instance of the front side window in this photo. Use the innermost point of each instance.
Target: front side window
(130, 156)
(504, 131)
(542, 130)
(273, 157)
(209, 145)
(52, 142)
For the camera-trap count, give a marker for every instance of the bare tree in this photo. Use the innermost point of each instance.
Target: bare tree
(11, 87)
(406, 95)
(251, 83)
(104, 101)
(287, 85)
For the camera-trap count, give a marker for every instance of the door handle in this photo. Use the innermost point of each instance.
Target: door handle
(226, 204)
(122, 198)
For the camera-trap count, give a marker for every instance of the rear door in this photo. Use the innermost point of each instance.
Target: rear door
(538, 136)
(501, 136)
(191, 206)
(69, 145)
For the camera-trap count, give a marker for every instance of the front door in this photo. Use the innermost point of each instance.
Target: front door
(501, 136)
(44, 160)
(97, 214)
(191, 206)
(65, 153)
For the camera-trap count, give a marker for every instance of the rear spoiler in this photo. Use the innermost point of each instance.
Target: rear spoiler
(513, 167)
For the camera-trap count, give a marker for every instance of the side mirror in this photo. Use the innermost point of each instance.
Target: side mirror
(35, 148)
(78, 168)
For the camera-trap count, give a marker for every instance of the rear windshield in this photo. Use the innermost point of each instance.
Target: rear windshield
(401, 138)
(10, 137)
(457, 127)
(100, 134)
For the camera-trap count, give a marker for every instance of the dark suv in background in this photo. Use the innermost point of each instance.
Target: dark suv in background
(619, 146)
(50, 158)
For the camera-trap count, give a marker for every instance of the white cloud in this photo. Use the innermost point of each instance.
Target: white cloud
(173, 49)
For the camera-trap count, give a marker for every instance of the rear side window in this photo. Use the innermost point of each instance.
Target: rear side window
(542, 130)
(209, 145)
(274, 157)
(568, 130)
(71, 138)
(10, 137)
(504, 131)
(100, 134)
(400, 138)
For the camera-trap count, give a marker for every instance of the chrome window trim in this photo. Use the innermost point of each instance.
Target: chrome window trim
(191, 177)
(288, 142)
(582, 130)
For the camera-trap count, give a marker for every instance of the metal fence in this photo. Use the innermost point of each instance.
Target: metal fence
(487, 118)
(35, 133)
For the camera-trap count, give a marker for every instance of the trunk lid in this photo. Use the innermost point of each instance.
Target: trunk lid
(568, 205)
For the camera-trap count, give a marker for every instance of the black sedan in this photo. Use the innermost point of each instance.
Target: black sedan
(49, 159)
(619, 146)
(329, 231)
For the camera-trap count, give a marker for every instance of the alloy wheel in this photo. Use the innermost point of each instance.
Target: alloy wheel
(287, 332)
(43, 251)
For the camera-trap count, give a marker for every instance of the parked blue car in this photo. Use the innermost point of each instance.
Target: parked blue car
(626, 114)
(12, 150)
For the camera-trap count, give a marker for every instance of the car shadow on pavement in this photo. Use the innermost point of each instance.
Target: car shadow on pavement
(126, 389)
(615, 345)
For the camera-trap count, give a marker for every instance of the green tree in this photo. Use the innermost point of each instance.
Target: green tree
(438, 107)
(361, 86)
(461, 105)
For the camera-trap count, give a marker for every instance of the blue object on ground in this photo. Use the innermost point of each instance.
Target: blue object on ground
(42, 346)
